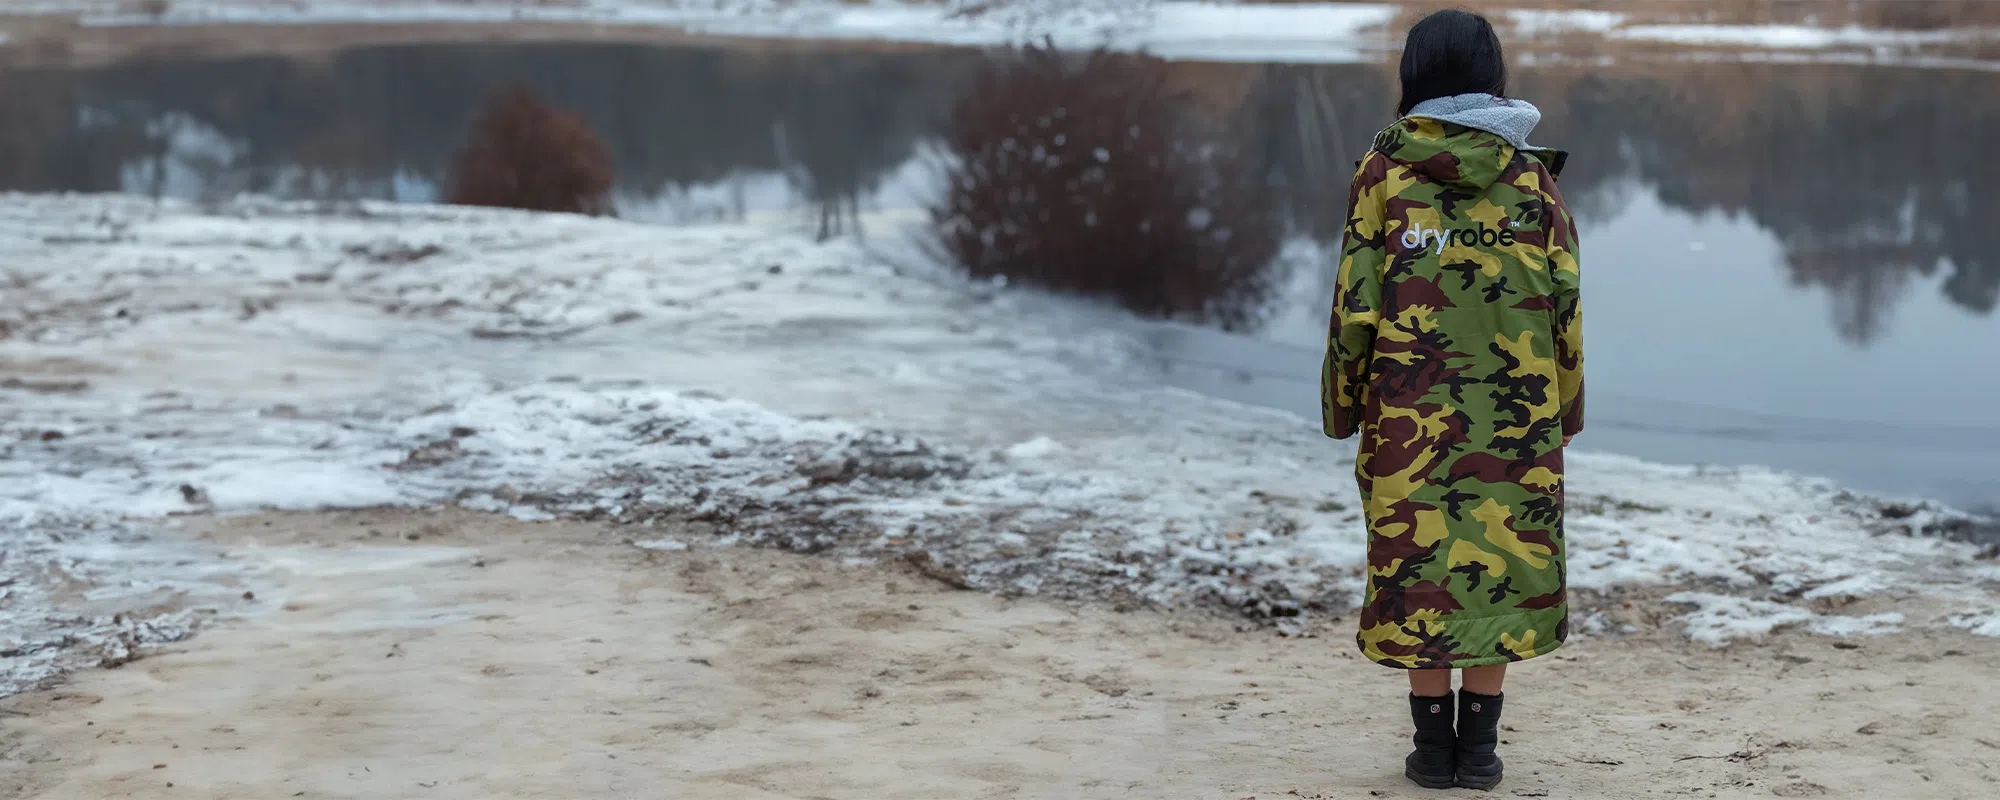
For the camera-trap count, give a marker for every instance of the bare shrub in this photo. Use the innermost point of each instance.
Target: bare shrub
(524, 154)
(1092, 174)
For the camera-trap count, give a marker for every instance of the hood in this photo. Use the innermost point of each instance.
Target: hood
(1466, 140)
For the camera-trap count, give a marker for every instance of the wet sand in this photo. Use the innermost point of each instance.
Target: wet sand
(456, 655)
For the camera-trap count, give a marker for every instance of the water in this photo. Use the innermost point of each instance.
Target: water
(1789, 265)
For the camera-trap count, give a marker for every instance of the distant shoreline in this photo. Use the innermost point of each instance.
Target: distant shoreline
(1189, 31)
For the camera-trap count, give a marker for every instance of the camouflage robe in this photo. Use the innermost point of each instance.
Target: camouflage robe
(1456, 353)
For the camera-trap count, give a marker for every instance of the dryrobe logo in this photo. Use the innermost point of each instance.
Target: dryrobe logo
(1434, 239)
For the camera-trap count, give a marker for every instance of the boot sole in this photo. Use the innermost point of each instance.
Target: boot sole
(1427, 782)
(1479, 782)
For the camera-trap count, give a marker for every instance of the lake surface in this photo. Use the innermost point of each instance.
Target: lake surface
(1790, 265)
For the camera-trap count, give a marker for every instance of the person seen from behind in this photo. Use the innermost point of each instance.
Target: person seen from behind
(1456, 353)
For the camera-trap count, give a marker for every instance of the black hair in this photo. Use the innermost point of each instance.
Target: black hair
(1451, 52)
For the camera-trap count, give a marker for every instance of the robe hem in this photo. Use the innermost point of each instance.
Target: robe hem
(1482, 661)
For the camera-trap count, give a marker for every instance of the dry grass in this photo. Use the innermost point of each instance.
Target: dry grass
(523, 154)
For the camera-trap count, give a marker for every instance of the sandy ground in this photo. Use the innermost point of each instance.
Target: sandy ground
(453, 655)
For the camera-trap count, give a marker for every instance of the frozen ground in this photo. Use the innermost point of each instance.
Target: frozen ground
(747, 384)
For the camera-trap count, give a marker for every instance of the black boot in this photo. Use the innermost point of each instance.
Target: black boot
(1478, 738)
(1433, 765)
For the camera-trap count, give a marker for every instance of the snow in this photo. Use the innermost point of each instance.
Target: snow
(1309, 32)
(47, 629)
(663, 545)
(1213, 30)
(1542, 22)
(1718, 619)
(1983, 624)
(1795, 37)
(1296, 32)
(174, 358)
(1038, 447)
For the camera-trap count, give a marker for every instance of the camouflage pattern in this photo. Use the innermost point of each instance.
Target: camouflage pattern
(1456, 353)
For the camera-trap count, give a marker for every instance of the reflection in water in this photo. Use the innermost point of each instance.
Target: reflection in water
(1862, 173)
(1866, 175)
(1710, 190)
(384, 122)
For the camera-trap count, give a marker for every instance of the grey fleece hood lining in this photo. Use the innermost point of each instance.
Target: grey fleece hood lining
(1506, 118)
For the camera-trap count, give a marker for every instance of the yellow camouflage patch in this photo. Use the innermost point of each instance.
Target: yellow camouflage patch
(1464, 552)
(1396, 333)
(1531, 256)
(1423, 219)
(1373, 638)
(1429, 426)
(1426, 129)
(1367, 219)
(1563, 260)
(1488, 261)
(1418, 318)
(1531, 365)
(1398, 181)
(1499, 534)
(1431, 528)
(1348, 316)
(1522, 348)
(1542, 478)
(1394, 487)
(1488, 214)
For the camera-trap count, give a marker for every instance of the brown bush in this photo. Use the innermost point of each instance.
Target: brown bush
(1091, 174)
(523, 154)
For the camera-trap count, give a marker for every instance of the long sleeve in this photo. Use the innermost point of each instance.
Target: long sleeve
(1357, 303)
(1569, 313)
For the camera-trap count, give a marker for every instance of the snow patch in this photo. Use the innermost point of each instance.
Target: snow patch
(1871, 625)
(662, 545)
(1852, 586)
(1542, 22)
(1982, 623)
(1718, 619)
(141, 589)
(1798, 37)
(1038, 447)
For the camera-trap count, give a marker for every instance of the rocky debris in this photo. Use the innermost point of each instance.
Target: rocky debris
(45, 386)
(876, 454)
(928, 566)
(431, 454)
(393, 252)
(1930, 519)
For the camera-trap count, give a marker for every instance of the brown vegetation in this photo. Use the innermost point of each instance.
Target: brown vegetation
(524, 154)
(1091, 174)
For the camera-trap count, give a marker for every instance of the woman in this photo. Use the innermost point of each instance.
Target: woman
(1456, 353)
